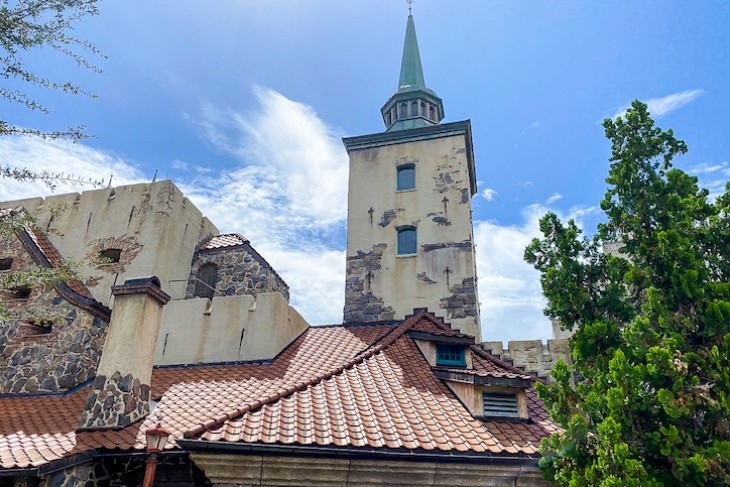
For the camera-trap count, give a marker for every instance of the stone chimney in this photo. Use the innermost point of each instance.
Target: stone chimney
(121, 389)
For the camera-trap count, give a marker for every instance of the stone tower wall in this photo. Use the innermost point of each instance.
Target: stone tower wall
(441, 276)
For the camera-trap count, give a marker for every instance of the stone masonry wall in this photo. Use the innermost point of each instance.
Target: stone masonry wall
(47, 344)
(533, 356)
(97, 473)
(360, 302)
(115, 402)
(240, 271)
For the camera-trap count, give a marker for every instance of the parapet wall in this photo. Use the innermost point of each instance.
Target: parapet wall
(227, 329)
(533, 356)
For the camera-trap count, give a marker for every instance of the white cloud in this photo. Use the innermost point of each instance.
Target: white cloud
(509, 288)
(287, 194)
(78, 161)
(179, 165)
(301, 160)
(553, 198)
(706, 168)
(286, 190)
(489, 194)
(714, 177)
(525, 184)
(661, 106)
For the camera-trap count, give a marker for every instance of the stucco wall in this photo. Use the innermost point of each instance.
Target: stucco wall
(154, 225)
(441, 275)
(231, 328)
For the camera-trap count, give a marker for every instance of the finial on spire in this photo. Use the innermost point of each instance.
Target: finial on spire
(409, 2)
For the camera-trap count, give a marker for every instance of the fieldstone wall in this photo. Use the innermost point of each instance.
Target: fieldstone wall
(172, 470)
(241, 270)
(97, 473)
(115, 402)
(360, 302)
(533, 356)
(46, 343)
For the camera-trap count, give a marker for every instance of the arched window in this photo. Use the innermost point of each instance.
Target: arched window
(406, 178)
(207, 277)
(414, 109)
(402, 110)
(407, 243)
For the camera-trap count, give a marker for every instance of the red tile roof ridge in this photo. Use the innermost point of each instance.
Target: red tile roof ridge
(500, 363)
(385, 342)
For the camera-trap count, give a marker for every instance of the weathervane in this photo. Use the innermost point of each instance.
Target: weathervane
(409, 2)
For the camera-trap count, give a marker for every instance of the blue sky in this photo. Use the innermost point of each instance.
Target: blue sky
(243, 104)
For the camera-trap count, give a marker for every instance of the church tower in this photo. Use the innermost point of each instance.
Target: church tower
(409, 225)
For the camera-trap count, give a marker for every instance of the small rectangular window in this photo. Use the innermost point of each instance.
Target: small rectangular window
(406, 178)
(500, 405)
(110, 256)
(22, 292)
(452, 355)
(6, 263)
(407, 243)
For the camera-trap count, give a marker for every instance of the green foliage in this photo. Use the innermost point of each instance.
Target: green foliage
(41, 24)
(646, 402)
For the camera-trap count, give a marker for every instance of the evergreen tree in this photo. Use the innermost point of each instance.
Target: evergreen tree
(646, 401)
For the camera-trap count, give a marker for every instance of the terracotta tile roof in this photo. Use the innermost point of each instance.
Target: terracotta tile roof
(337, 386)
(486, 365)
(223, 241)
(53, 256)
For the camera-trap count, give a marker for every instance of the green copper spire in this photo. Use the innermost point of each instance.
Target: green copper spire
(411, 71)
(413, 105)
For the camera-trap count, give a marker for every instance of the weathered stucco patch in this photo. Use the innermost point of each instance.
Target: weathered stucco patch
(388, 216)
(361, 304)
(465, 245)
(128, 244)
(462, 302)
(424, 278)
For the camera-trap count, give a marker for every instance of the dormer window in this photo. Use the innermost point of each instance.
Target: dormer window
(450, 355)
(500, 405)
(5, 264)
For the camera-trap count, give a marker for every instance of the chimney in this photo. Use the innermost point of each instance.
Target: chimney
(121, 389)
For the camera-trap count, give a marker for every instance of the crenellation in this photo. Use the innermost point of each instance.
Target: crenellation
(532, 356)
